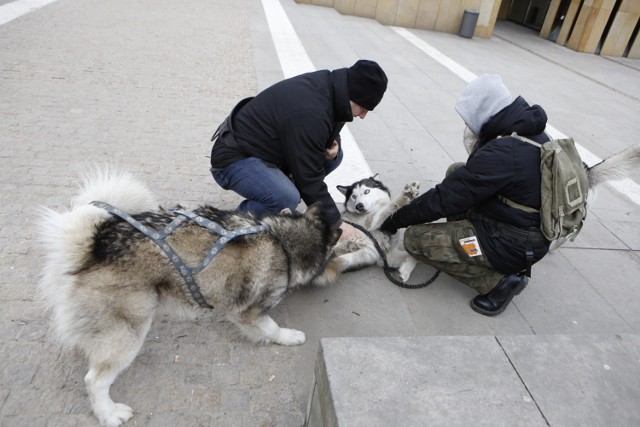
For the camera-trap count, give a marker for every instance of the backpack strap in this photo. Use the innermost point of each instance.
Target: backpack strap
(510, 202)
(522, 138)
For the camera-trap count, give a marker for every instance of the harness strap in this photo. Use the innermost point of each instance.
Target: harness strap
(190, 287)
(227, 235)
(387, 268)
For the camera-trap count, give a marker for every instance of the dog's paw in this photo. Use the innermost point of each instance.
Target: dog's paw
(411, 191)
(291, 337)
(342, 247)
(403, 276)
(354, 245)
(120, 413)
(348, 246)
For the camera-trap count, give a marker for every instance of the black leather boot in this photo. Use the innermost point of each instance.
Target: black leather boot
(499, 297)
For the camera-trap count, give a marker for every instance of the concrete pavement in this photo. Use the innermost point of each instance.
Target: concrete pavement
(145, 83)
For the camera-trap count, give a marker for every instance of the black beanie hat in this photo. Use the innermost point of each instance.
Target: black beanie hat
(367, 83)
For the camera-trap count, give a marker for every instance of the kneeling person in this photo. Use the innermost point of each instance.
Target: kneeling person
(277, 147)
(485, 243)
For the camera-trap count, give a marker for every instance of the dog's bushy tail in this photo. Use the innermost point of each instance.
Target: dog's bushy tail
(617, 166)
(116, 187)
(67, 237)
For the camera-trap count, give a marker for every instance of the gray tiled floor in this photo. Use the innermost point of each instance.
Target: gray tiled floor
(145, 83)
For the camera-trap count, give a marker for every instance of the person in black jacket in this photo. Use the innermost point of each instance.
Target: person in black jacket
(277, 147)
(485, 243)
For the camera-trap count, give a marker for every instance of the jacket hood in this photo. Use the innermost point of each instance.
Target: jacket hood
(482, 99)
(520, 117)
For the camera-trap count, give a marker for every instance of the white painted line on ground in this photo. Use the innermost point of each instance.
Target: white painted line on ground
(626, 186)
(434, 53)
(13, 10)
(294, 60)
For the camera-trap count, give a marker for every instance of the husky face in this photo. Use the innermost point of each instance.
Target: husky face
(365, 195)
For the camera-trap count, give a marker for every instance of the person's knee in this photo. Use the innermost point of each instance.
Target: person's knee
(424, 241)
(453, 167)
(410, 240)
(285, 200)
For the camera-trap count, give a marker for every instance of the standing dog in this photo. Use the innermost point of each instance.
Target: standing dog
(368, 203)
(105, 280)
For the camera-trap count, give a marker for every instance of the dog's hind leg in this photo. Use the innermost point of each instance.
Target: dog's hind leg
(364, 257)
(264, 329)
(404, 262)
(399, 258)
(109, 354)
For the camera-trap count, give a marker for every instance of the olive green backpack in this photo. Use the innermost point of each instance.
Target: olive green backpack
(563, 189)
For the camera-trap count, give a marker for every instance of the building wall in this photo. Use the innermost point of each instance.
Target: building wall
(585, 24)
(605, 27)
(435, 15)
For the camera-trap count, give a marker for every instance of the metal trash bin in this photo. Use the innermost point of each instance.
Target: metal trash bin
(468, 24)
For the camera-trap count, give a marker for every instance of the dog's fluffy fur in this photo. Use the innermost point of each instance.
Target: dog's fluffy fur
(368, 203)
(104, 280)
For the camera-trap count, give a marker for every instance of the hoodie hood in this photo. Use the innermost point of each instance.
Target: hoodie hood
(526, 120)
(482, 99)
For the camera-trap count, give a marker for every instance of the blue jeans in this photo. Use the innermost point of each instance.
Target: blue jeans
(264, 186)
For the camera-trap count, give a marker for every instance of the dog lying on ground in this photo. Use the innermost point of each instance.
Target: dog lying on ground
(368, 203)
(612, 168)
(105, 280)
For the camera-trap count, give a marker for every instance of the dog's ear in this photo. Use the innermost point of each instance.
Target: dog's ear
(313, 210)
(286, 211)
(343, 189)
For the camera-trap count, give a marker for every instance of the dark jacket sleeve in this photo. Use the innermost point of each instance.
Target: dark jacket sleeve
(485, 174)
(304, 143)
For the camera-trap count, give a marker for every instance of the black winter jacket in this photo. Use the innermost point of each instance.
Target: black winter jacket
(499, 166)
(290, 125)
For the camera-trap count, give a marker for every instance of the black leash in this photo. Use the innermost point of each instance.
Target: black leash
(388, 270)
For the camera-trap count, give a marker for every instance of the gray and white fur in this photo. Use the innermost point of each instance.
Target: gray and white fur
(368, 203)
(104, 281)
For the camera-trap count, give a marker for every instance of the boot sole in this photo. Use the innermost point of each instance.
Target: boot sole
(516, 291)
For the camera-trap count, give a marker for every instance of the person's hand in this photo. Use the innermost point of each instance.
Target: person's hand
(349, 232)
(332, 152)
(389, 226)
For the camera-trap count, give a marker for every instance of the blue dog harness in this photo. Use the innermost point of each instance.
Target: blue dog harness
(190, 287)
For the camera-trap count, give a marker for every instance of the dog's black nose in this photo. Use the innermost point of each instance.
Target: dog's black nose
(359, 207)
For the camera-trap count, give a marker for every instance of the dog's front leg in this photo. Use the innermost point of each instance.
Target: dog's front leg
(109, 413)
(265, 330)
(409, 193)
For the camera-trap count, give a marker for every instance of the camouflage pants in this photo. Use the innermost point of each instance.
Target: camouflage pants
(438, 245)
